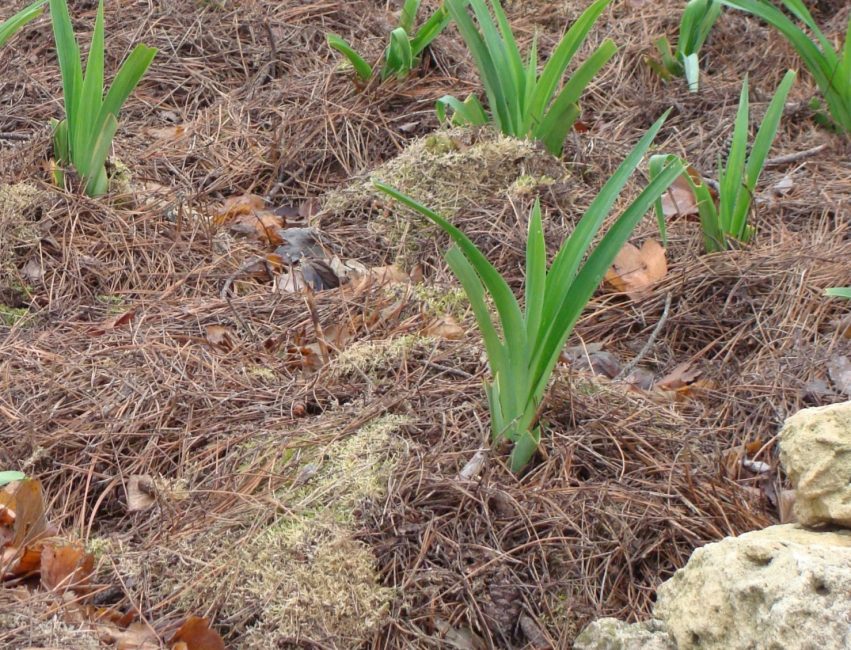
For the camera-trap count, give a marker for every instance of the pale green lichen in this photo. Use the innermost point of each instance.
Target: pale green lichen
(21, 205)
(528, 185)
(368, 357)
(301, 574)
(441, 301)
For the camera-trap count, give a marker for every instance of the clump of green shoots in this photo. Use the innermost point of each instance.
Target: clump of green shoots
(698, 18)
(522, 103)
(523, 346)
(83, 139)
(726, 224)
(11, 26)
(830, 67)
(405, 47)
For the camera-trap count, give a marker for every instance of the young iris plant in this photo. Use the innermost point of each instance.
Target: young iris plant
(403, 51)
(523, 346)
(727, 224)
(698, 18)
(830, 68)
(10, 26)
(521, 102)
(839, 292)
(83, 139)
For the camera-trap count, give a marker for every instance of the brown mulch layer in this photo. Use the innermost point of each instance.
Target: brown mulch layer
(130, 361)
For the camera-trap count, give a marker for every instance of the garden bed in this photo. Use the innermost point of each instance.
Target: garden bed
(319, 463)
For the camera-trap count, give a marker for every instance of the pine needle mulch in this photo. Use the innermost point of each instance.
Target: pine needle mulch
(317, 467)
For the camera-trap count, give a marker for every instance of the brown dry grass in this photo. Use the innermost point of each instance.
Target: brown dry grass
(628, 484)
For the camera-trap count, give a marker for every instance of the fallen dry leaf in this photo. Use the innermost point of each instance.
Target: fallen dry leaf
(679, 199)
(167, 132)
(66, 567)
(141, 493)
(137, 636)
(113, 323)
(22, 504)
(260, 224)
(635, 270)
(32, 271)
(219, 336)
(195, 634)
(680, 377)
(446, 328)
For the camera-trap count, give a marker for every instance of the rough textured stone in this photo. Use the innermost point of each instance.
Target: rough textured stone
(612, 634)
(780, 588)
(815, 450)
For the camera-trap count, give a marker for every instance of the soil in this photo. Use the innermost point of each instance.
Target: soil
(310, 452)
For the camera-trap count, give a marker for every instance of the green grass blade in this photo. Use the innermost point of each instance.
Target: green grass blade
(554, 127)
(70, 64)
(485, 63)
(839, 292)
(506, 304)
(820, 62)
(430, 30)
(128, 77)
(525, 447)
(91, 97)
(529, 84)
(574, 295)
(559, 60)
(567, 260)
(655, 166)
(732, 179)
(362, 69)
(691, 69)
(12, 25)
(536, 272)
(515, 61)
(475, 292)
(470, 111)
(759, 152)
(10, 476)
(507, 66)
(400, 58)
(800, 11)
(96, 180)
(409, 15)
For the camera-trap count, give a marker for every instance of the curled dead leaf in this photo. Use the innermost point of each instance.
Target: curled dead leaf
(66, 567)
(113, 323)
(220, 336)
(680, 377)
(195, 634)
(446, 328)
(22, 506)
(141, 493)
(635, 270)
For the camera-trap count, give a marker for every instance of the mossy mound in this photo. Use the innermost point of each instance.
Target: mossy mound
(39, 626)
(297, 573)
(21, 206)
(448, 171)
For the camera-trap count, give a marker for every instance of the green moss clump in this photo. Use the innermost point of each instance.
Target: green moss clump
(11, 315)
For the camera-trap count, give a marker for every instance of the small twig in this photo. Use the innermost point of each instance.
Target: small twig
(628, 368)
(794, 157)
(15, 137)
(449, 371)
